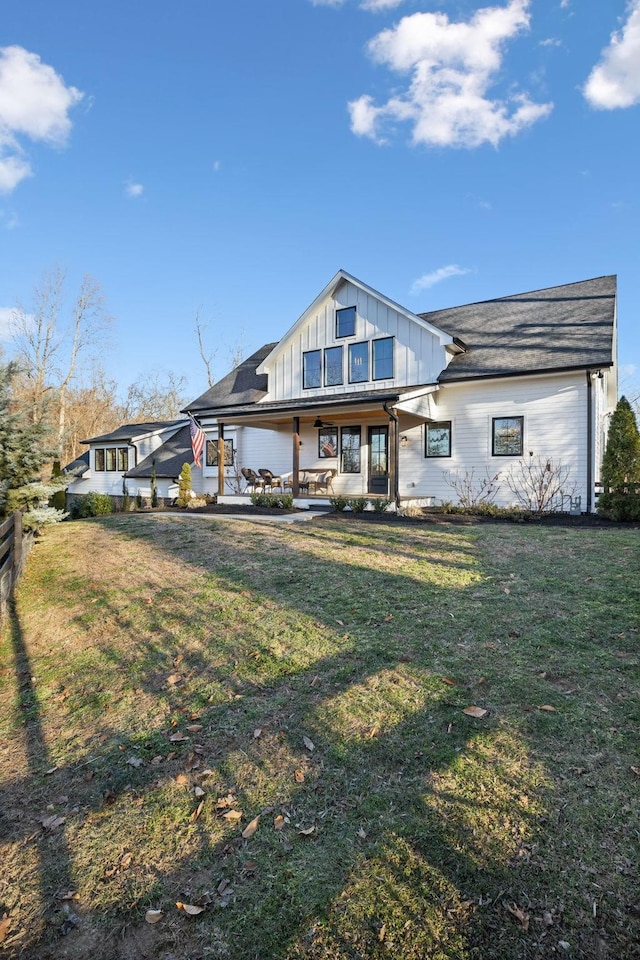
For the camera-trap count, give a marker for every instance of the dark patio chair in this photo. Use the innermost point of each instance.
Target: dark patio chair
(252, 479)
(271, 480)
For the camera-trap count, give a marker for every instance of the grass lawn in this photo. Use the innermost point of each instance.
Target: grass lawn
(265, 724)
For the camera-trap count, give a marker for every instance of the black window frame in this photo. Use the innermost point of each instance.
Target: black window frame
(99, 453)
(350, 431)
(111, 457)
(436, 425)
(311, 386)
(373, 358)
(211, 453)
(122, 457)
(334, 383)
(508, 453)
(340, 315)
(323, 449)
(352, 346)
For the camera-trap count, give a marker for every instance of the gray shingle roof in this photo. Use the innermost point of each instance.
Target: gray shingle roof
(242, 386)
(77, 467)
(557, 328)
(132, 431)
(169, 458)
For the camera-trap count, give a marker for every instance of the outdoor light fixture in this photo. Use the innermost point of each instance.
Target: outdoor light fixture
(404, 441)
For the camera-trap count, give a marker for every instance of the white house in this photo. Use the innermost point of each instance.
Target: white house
(126, 457)
(399, 404)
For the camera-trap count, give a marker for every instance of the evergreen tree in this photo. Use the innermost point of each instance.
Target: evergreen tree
(621, 462)
(184, 486)
(154, 485)
(22, 452)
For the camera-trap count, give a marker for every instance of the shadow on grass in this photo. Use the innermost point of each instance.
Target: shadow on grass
(393, 866)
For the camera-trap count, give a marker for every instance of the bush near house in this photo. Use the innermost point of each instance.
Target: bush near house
(621, 466)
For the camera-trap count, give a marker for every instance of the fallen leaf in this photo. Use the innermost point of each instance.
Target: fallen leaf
(177, 737)
(547, 708)
(251, 828)
(306, 831)
(182, 779)
(51, 770)
(388, 618)
(156, 760)
(198, 791)
(126, 861)
(228, 801)
(5, 923)
(152, 916)
(233, 815)
(189, 909)
(299, 776)
(196, 813)
(521, 915)
(68, 895)
(382, 932)
(309, 744)
(135, 762)
(174, 679)
(52, 823)
(635, 770)
(257, 733)
(315, 681)
(194, 727)
(478, 712)
(279, 822)
(250, 866)
(362, 833)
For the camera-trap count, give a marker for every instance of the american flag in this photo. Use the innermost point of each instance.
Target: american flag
(197, 441)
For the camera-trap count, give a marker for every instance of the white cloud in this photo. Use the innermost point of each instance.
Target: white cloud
(627, 370)
(327, 3)
(615, 80)
(551, 42)
(34, 104)
(133, 189)
(9, 219)
(216, 166)
(376, 5)
(452, 66)
(436, 276)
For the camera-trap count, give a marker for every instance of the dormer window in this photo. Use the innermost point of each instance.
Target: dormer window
(346, 322)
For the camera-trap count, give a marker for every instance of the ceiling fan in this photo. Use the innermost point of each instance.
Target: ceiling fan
(319, 424)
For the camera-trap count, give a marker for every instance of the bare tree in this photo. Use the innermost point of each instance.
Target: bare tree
(207, 354)
(472, 491)
(51, 351)
(91, 410)
(156, 395)
(540, 484)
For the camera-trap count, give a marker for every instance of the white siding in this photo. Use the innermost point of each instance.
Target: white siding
(418, 355)
(555, 417)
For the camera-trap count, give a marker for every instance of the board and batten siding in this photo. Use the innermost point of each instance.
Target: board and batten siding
(554, 411)
(418, 354)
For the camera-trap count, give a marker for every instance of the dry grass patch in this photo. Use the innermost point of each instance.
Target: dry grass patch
(168, 682)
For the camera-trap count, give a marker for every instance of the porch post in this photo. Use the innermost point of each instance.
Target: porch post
(220, 459)
(394, 445)
(295, 479)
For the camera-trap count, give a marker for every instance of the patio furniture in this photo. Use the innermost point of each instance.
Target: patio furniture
(324, 481)
(270, 480)
(303, 483)
(252, 479)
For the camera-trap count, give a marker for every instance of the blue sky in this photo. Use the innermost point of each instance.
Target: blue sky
(231, 156)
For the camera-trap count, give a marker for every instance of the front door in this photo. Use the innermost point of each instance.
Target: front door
(379, 460)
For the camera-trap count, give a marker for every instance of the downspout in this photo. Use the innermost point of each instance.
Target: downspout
(589, 441)
(395, 453)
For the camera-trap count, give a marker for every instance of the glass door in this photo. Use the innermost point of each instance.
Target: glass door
(379, 460)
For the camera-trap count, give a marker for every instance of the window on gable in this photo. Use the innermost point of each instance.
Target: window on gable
(383, 358)
(332, 366)
(507, 436)
(110, 456)
(358, 362)
(99, 460)
(212, 453)
(311, 369)
(350, 450)
(438, 439)
(346, 322)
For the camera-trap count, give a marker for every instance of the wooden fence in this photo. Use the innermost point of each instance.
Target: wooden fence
(11, 557)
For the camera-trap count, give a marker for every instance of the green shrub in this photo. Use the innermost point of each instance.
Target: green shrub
(138, 500)
(338, 503)
(381, 504)
(622, 507)
(282, 501)
(92, 505)
(358, 504)
(58, 500)
(184, 486)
